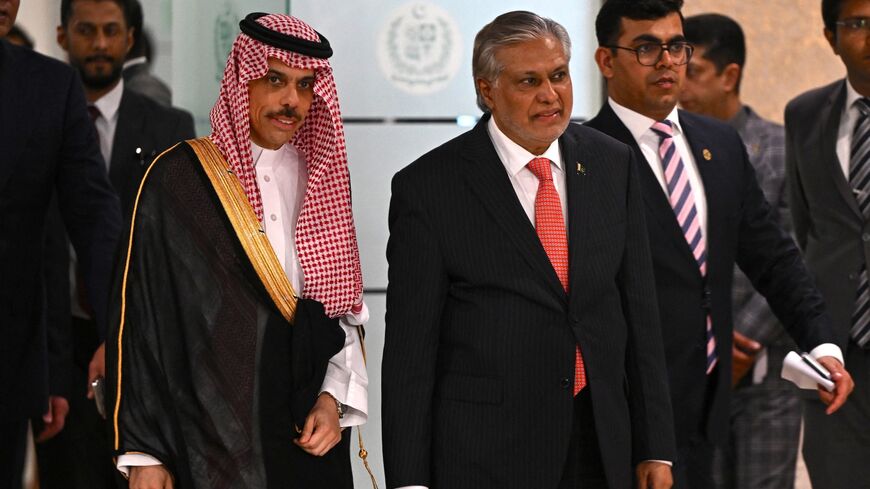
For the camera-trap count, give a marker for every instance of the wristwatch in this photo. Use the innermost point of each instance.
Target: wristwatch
(340, 408)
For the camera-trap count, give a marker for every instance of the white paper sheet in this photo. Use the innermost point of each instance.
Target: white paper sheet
(802, 375)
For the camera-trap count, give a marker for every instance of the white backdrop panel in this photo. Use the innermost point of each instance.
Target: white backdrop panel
(361, 33)
(375, 153)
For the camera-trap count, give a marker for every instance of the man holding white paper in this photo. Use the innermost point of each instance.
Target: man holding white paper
(805, 372)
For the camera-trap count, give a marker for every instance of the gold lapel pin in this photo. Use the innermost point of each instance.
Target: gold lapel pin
(581, 169)
(707, 154)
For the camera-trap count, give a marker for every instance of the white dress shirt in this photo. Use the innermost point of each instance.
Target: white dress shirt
(107, 122)
(639, 126)
(282, 176)
(848, 119)
(515, 159)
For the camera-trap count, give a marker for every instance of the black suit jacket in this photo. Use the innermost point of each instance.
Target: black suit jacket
(828, 224)
(47, 144)
(144, 130)
(478, 365)
(741, 228)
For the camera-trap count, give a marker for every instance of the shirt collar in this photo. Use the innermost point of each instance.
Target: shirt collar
(515, 157)
(109, 103)
(638, 124)
(852, 95)
(268, 157)
(141, 60)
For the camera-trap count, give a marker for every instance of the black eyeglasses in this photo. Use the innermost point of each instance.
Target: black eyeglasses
(650, 54)
(855, 25)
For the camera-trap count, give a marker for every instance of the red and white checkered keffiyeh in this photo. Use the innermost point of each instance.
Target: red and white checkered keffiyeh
(325, 234)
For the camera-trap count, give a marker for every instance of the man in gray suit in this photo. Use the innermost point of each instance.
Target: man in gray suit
(827, 166)
(765, 409)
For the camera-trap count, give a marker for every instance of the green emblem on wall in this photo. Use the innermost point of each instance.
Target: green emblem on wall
(226, 26)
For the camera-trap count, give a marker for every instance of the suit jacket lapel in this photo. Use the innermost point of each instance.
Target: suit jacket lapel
(129, 124)
(828, 147)
(657, 202)
(580, 202)
(699, 145)
(14, 127)
(488, 179)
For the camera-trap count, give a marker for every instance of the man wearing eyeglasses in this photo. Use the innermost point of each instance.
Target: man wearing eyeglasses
(827, 167)
(705, 212)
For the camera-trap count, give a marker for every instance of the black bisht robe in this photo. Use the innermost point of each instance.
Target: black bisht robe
(204, 371)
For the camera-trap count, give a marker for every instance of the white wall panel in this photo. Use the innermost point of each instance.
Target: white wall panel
(360, 33)
(375, 153)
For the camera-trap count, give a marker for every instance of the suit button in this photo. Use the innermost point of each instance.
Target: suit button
(865, 237)
(706, 299)
(565, 382)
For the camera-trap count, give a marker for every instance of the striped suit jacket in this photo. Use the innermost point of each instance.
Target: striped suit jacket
(478, 364)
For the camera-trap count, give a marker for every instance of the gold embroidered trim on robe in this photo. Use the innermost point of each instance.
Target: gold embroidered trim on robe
(247, 227)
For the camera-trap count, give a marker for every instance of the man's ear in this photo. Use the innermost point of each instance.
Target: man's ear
(62, 40)
(484, 86)
(130, 32)
(604, 60)
(731, 75)
(832, 40)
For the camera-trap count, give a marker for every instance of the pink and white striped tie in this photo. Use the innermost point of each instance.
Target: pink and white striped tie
(683, 202)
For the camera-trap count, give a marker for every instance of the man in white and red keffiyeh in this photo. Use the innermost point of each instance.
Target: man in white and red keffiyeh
(212, 386)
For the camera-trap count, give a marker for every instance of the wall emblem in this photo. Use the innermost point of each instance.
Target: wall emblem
(420, 48)
(226, 27)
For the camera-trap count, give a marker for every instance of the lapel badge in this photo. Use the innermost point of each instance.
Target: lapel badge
(707, 154)
(581, 170)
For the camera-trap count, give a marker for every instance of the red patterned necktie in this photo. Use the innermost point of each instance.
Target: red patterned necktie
(550, 226)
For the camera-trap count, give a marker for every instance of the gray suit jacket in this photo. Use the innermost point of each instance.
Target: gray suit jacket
(765, 146)
(828, 225)
(139, 79)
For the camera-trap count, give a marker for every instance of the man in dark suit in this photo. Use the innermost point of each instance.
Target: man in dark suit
(826, 161)
(47, 145)
(705, 212)
(522, 344)
(132, 130)
(761, 452)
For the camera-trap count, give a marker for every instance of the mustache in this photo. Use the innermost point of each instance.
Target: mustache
(288, 112)
(99, 57)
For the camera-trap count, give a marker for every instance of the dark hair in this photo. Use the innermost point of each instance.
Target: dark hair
(136, 21)
(720, 36)
(831, 13)
(18, 32)
(66, 7)
(609, 20)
